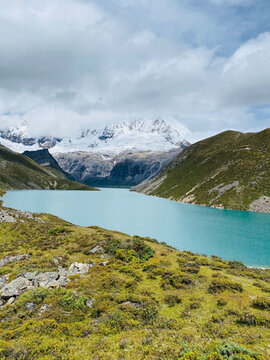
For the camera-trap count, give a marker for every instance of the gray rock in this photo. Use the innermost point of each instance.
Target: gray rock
(56, 260)
(62, 281)
(3, 280)
(30, 275)
(127, 168)
(78, 268)
(90, 303)
(16, 287)
(62, 271)
(104, 263)
(46, 279)
(30, 306)
(10, 301)
(97, 250)
(1, 303)
(133, 304)
(13, 258)
(43, 309)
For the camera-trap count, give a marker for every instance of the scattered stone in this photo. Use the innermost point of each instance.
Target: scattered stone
(105, 256)
(57, 260)
(97, 250)
(90, 303)
(13, 258)
(43, 309)
(10, 301)
(16, 287)
(30, 306)
(1, 303)
(104, 263)
(133, 304)
(78, 268)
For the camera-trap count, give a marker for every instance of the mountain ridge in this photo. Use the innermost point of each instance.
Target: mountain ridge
(229, 170)
(20, 172)
(137, 135)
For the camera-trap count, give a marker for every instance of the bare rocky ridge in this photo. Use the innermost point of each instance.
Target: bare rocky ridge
(128, 168)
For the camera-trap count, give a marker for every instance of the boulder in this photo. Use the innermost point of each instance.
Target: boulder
(78, 268)
(46, 279)
(97, 250)
(30, 275)
(10, 301)
(15, 287)
(13, 258)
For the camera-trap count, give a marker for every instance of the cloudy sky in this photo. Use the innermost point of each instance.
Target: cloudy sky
(70, 64)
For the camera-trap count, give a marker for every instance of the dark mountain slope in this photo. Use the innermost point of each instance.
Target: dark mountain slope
(47, 161)
(20, 172)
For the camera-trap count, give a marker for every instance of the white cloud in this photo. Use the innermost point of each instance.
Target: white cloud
(245, 80)
(68, 64)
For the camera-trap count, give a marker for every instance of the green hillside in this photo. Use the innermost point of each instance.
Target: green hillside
(73, 293)
(229, 170)
(20, 172)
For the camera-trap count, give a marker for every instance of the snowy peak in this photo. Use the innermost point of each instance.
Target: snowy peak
(138, 135)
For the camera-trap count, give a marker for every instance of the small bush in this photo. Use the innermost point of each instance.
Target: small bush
(261, 303)
(71, 301)
(220, 285)
(57, 231)
(229, 351)
(172, 300)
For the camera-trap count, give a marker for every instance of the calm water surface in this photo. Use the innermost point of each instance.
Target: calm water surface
(230, 234)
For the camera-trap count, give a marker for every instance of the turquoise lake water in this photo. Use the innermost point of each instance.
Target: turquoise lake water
(233, 235)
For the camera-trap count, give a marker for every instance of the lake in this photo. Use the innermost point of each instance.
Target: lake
(232, 235)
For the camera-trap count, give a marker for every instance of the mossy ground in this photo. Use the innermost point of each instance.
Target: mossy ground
(150, 302)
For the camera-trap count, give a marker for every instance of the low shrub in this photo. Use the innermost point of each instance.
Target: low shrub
(219, 285)
(230, 352)
(172, 300)
(72, 301)
(57, 231)
(261, 303)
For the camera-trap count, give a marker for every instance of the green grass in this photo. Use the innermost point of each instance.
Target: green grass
(150, 302)
(220, 160)
(20, 172)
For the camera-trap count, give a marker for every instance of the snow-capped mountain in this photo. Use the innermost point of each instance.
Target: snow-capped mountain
(137, 135)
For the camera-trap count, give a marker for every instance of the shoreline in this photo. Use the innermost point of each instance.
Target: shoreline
(4, 209)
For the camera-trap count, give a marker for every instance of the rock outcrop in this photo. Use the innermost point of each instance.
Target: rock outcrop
(31, 280)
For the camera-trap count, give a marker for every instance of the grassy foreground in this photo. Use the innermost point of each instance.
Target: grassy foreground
(148, 300)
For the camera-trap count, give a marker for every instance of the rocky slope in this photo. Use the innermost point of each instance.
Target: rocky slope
(68, 292)
(20, 172)
(229, 170)
(125, 169)
(123, 154)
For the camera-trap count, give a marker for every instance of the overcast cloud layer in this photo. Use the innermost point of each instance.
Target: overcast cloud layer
(66, 65)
